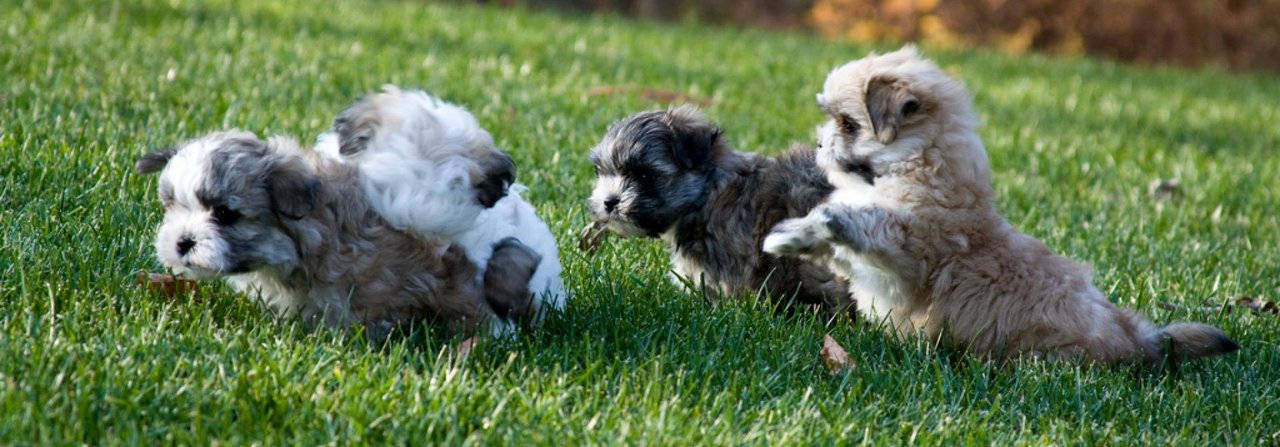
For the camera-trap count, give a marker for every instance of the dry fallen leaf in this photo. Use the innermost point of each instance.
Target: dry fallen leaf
(168, 285)
(1165, 188)
(834, 357)
(591, 237)
(464, 348)
(1258, 306)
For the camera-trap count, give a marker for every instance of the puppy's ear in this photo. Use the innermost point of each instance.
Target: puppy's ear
(293, 188)
(890, 103)
(497, 172)
(154, 161)
(695, 140)
(506, 279)
(355, 127)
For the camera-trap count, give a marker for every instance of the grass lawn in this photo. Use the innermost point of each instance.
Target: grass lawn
(86, 356)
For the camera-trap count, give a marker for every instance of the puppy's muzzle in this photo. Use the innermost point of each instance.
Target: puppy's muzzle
(185, 244)
(611, 203)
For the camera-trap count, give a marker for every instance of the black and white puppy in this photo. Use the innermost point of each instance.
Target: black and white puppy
(670, 174)
(294, 228)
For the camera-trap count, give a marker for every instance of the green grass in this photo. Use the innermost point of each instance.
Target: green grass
(88, 357)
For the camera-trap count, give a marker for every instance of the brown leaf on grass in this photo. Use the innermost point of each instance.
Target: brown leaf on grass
(591, 237)
(464, 348)
(168, 285)
(1257, 306)
(1161, 189)
(652, 94)
(834, 357)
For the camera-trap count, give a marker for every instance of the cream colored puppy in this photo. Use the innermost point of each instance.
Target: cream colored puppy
(913, 225)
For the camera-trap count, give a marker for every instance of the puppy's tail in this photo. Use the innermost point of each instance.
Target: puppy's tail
(1181, 342)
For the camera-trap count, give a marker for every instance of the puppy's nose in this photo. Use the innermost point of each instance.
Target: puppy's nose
(185, 245)
(610, 203)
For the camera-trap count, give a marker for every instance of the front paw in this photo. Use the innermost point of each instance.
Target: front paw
(795, 237)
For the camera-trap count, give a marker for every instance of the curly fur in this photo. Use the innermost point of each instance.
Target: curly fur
(670, 174)
(913, 225)
(428, 167)
(294, 229)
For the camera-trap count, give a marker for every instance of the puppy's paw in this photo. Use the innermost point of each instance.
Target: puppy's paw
(847, 227)
(797, 236)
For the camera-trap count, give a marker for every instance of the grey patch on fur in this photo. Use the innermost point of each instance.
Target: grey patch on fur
(290, 185)
(717, 205)
(506, 279)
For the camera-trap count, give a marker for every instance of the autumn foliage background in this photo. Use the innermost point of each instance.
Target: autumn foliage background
(1232, 34)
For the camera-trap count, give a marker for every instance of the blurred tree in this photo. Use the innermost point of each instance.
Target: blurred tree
(1237, 34)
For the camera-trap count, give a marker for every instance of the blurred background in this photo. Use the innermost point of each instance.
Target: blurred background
(1241, 35)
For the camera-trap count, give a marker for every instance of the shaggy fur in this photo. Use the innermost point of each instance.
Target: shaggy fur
(913, 225)
(670, 174)
(428, 167)
(294, 229)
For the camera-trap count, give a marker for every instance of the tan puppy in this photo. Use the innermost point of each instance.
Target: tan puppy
(913, 225)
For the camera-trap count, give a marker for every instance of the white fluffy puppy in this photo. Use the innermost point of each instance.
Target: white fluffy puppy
(913, 224)
(428, 167)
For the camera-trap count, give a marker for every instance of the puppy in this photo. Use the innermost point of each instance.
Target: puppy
(670, 174)
(427, 167)
(913, 225)
(295, 229)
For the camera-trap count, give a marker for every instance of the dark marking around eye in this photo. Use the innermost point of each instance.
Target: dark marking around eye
(225, 216)
(641, 173)
(911, 106)
(849, 126)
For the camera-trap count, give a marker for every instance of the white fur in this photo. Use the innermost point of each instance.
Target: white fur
(416, 173)
(613, 185)
(417, 166)
(185, 217)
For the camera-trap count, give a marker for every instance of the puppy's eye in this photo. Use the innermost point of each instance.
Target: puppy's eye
(643, 175)
(224, 216)
(849, 126)
(911, 106)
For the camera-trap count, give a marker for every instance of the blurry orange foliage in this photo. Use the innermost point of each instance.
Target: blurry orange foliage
(1239, 34)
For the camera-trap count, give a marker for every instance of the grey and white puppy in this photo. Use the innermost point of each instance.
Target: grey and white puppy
(293, 228)
(671, 174)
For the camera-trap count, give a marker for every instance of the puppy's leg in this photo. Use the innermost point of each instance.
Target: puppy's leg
(506, 279)
(861, 229)
(802, 236)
